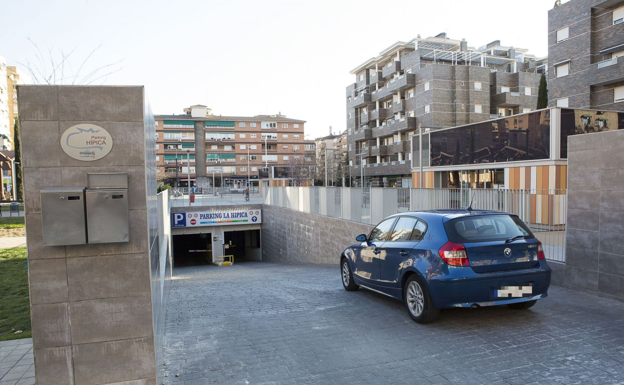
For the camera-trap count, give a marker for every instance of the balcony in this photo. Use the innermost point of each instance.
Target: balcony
(362, 134)
(350, 89)
(402, 83)
(398, 106)
(364, 118)
(509, 99)
(391, 69)
(375, 77)
(381, 93)
(402, 146)
(361, 100)
(387, 168)
(380, 113)
(386, 129)
(379, 151)
(607, 72)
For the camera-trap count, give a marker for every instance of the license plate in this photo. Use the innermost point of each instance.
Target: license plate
(513, 291)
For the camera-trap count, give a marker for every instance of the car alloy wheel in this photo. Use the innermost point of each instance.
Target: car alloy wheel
(345, 273)
(415, 299)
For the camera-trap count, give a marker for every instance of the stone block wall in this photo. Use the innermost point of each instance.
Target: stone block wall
(594, 258)
(297, 237)
(91, 305)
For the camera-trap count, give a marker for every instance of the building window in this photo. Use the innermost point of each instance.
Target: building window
(349, 115)
(618, 15)
(426, 86)
(157, 123)
(252, 124)
(253, 136)
(241, 124)
(296, 125)
(243, 169)
(157, 158)
(525, 110)
(157, 147)
(284, 136)
(618, 94)
(244, 157)
(411, 114)
(243, 147)
(285, 157)
(527, 91)
(361, 77)
(563, 34)
(478, 109)
(241, 136)
(254, 169)
(562, 102)
(253, 157)
(268, 125)
(284, 147)
(227, 148)
(253, 147)
(427, 108)
(505, 89)
(284, 125)
(410, 93)
(214, 147)
(296, 148)
(296, 136)
(562, 70)
(477, 86)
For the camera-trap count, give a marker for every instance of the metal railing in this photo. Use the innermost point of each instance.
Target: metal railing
(544, 211)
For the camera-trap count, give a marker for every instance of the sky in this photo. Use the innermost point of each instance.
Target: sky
(246, 57)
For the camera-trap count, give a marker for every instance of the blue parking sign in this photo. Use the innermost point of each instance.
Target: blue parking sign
(178, 220)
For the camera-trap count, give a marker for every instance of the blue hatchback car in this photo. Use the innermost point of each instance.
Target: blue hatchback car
(449, 258)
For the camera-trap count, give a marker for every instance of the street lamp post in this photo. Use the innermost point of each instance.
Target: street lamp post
(177, 181)
(188, 162)
(248, 175)
(266, 156)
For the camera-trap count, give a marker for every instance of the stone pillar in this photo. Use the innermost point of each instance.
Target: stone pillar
(91, 304)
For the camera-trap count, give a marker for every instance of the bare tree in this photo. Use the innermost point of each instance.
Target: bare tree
(55, 67)
(298, 171)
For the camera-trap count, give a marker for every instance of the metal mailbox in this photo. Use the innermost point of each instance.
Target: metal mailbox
(63, 216)
(107, 208)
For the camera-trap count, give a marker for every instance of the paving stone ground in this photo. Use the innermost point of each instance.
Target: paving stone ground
(255, 323)
(17, 362)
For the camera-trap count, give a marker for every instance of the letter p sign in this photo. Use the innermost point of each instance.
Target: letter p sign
(179, 220)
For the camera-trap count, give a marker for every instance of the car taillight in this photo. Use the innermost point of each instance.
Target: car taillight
(454, 254)
(540, 251)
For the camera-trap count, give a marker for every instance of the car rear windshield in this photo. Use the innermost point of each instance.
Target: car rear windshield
(486, 228)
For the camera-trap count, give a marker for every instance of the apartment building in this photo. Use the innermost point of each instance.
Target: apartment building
(229, 149)
(430, 83)
(14, 78)
(334, 149)
(5, 123)
(585, 43)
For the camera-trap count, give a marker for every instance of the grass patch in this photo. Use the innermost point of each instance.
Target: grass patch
(14, 301)
(11, 222)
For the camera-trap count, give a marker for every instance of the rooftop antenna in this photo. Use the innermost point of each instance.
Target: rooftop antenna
(471, 200)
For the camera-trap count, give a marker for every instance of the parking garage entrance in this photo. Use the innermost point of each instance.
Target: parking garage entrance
(201, 237)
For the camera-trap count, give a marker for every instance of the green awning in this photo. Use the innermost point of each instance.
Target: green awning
(188, 145)
(220, 124)
(181, 156)
(220, 156)
(188, 123)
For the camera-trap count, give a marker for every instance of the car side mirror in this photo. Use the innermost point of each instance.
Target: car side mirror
(361, 238)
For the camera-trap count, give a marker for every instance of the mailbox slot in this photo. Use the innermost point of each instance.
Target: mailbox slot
(63, 216)
(107, 208)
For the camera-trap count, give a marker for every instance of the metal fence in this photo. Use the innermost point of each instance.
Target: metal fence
(544, 211)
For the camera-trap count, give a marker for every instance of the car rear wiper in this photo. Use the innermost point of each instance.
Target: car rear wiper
(515, 237)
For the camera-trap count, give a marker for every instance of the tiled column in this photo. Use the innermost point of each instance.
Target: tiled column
(91, 305)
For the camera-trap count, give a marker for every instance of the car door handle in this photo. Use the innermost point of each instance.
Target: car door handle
(376, 251)
(404, 253)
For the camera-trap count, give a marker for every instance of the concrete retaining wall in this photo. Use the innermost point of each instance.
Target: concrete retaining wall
(294, 236)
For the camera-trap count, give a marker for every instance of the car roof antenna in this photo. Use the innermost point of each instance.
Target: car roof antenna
(471, 200)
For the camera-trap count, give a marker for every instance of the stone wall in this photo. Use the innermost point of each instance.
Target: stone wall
(91, 305)
(594, 256)
(297, 237)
